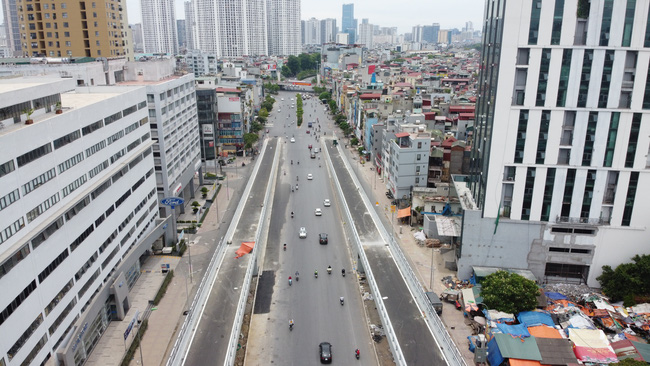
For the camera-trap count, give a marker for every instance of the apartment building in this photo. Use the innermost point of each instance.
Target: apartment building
(409, 160)
(61, 28)
(79, 209)
(562, 139)
(159, 27)
(284, 31)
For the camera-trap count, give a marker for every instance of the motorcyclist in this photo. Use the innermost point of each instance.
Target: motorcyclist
(357, 353)
(316, 273)
(285, 246)
(291, 162)
(343, 271)
(297, 274)
(291, 325)
(292, 214)
(329, 269)
(341, 300)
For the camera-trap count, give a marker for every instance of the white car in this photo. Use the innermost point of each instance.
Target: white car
(279, 110)
(293, 140)
(318, 212)
(310, 177)
(302, 233)
(282, 98)
(326, 203)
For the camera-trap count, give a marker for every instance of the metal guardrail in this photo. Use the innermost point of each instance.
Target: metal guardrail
(450, 352)
(241, 306)
(396, 350)
(181, 347)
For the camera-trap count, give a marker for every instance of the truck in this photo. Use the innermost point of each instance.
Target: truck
(435, 301)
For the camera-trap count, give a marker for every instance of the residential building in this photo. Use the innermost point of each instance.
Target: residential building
(284, 27)
(190, 25)
(348, 23)
(12, 26)
(409, 160)
(312, 31)
(212, 32)
(174, 126)
(366, 31)
(343, 38)
(202, 63)
(75, 29)
(561, 146)
(79, 211)
(206, 102)
(159, 26)
(181, 35)
(231, 119)
(328, 30)
(444, 36)
(137, 39)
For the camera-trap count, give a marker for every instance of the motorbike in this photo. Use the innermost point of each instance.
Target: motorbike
(291, 328)
(285, 247)
(297, 178)
(296, 187)
(329, 270)
(297, 276)
(290, 281)
(292, 215)
(316, 274)
(341, 301)
(357, 354)
(343, 272)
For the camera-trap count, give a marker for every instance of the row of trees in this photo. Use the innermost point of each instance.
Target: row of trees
(339, 118)
(299, 110)
(301, 66)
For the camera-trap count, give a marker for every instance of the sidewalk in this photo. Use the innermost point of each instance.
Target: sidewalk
(419, 257)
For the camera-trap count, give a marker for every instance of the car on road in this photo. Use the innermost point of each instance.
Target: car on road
(279, 110)
(310, 177)
(318, 212)
(326, 202)
(307, 131)
(322, 238)
(293, 140)
(302, 233)
(325, 350)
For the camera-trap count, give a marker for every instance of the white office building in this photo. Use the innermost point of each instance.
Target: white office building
(328, 30)
(562, 139)
(366, 32)
(284, 27)
(159, 26)
(312, 31)
(174, 126)
(78, 208)
(230, 28)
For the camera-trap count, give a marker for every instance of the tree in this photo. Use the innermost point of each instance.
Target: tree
(325, 95)
(249, 140)
(509, 292)
(631, 362)
(263, 113)
(294, 65)
(306, 62)
(628, 282)
(340, 118)
(286, 71)
(333, 106)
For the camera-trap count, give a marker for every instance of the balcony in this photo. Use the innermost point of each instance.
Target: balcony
(581, 220)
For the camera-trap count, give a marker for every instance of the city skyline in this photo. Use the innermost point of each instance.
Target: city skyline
(380, 12)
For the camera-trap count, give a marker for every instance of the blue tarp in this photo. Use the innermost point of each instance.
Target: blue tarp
(494, 354)
(555, 296)
(517, 330)
(533, 318)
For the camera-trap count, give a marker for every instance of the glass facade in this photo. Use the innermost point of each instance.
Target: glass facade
(557, 22)
(548, 194)
(565, 70)
(528, 194)
(646, 95)
(585, 77)
(488, 77)
(543, 77)
(521, 136)
(629, 23)
(629, 199)
(606, 23)
(606, 80)
(611, 139)
(568, 192)
(634, 137)
(647, 31)
(543, 137)
(590, 138)
(588, 194)
(535, 12)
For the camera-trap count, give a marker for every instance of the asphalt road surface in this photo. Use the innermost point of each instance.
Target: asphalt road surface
(313, 303)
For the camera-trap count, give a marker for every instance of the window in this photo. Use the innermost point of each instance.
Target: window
(533, 32)
(548, 194)
(92, 127)
(565, 70)
(112, 118)
(628, 23)
(606, 79)
(629, 199)
(646, 95)
(71, 162)
(95, 148)
(74, 185)
(606, 23)
(44, 206)
(49, 231)
(585, 77)
(62, 141)
(558, 14)
(590, 138)
(38, 181)
(632, 142)
(34, 154)
(96, 170)
(588, 194)
(9, 198)
(568, 192)
(611, 139)
(647, 31)
(521, 136)
(6, 313)
(77, 208)
(66, 34)
(528, 194)
(80, 239)
(419, 157)
(543, 77)
(542, 137)
(7, 168)
(116, 136)
(53, 265)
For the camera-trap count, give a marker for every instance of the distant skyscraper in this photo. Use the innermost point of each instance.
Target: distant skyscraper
(366, 31)
(230, 28)
(328, 30)
(348, 23)
(12, 26)
(182, 38)
(159, 26)
(136, 31)
(312, 31)
(284, 27)
(416, 34)
(190, 24)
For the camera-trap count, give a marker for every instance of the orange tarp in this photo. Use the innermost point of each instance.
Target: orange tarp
(544, 331)
(518, 362)
(405, 212)
(245, 248)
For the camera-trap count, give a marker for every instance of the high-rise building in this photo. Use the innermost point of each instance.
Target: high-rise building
(190, 25)
(12, 25)
(159, 26)
(561, 147)
(312, 31)
(328, 30)
(61, 28)
(366, 31)
(230, 28)
(79, 210)
(284, 27)
(181, 35)
(348, 23)
(138, 42)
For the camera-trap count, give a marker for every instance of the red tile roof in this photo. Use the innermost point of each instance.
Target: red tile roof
(370, 96)
(462, 109)
(401, 134)
(227, 90)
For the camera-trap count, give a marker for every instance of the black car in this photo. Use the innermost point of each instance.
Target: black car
(322, 238)
(325, 352)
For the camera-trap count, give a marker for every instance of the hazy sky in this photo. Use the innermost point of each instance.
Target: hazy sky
(402, 14)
